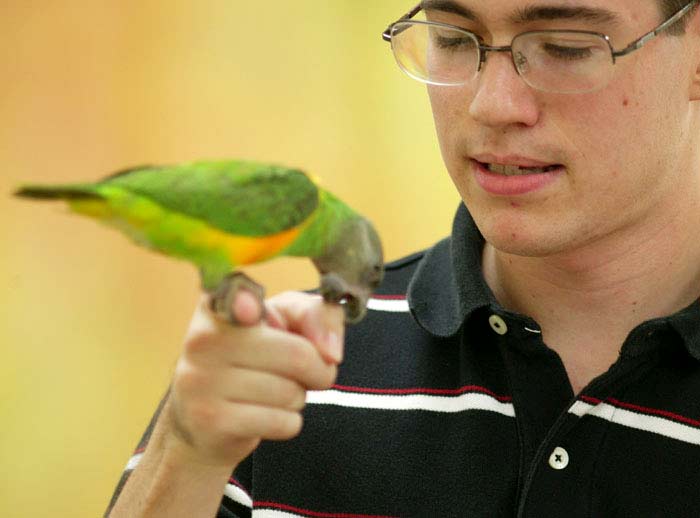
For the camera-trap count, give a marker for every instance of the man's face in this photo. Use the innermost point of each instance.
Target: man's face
(625, 149)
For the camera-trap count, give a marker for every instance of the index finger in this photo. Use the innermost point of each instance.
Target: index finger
(320, 322)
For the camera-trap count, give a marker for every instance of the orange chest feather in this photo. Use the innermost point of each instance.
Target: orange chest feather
(248, 250)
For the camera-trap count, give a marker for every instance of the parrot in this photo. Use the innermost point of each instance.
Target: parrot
(223, 214)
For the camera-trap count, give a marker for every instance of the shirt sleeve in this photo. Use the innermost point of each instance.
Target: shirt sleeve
(236, 501)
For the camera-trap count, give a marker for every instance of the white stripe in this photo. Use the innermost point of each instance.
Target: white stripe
(391, 305)
(236, 494)
(274, 513)
(133, 462)
(580, 408)
(468, 401)
(638, 421)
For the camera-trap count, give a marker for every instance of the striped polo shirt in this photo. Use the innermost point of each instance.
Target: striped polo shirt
(448, 405)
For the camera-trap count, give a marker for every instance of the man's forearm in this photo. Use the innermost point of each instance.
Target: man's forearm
(168, 483)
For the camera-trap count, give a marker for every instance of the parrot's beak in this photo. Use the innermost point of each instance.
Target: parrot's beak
(355, 308)
(353, 299)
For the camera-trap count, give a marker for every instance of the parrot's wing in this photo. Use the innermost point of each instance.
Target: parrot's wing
(241, 198)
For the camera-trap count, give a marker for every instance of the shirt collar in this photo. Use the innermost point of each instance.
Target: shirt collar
(687, 324)
(448, 286)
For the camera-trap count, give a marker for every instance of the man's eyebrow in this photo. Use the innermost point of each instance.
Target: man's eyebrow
(449, 6)
(535, 13)
(531, 13)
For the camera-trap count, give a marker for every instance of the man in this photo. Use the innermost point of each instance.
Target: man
(550, 361)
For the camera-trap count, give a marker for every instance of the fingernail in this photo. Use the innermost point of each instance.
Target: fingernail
(334, 346)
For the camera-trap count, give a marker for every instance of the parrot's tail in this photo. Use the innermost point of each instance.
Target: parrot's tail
(56, 192)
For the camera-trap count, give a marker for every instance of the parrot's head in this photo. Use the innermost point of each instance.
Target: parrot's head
(352, 268)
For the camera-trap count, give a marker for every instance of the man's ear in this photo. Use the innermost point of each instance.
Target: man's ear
(693, 35)
(694, 93)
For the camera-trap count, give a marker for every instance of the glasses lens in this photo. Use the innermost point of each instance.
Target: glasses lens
(434, 53)
(563, 62)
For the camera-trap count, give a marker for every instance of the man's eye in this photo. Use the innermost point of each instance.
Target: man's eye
(453, 43)
(567, 53)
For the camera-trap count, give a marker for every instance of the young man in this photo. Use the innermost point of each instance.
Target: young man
(547, 360)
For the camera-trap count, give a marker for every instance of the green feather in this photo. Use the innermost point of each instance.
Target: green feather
(241, 198)
(323, 228)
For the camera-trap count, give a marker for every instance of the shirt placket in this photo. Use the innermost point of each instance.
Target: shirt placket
(555, 465)
(562, 472)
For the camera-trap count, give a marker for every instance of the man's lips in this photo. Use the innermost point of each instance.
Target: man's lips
(511, 160)
(514, 184)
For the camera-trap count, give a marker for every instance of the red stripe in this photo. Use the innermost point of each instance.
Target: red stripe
(139, 450)
(286, 507)
(656, 411)
(645, 410)
(432, 391)
(591, 400)
(389, 297)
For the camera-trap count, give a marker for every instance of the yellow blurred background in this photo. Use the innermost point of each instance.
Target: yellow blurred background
(91, 325)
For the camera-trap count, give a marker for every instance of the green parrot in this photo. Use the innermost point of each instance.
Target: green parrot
(223, 214)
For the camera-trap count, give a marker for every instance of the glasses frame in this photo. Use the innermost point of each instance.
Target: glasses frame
(484, 49)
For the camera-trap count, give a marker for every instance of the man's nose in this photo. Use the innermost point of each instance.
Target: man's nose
(501, 97)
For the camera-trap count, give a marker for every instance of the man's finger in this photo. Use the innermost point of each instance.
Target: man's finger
(319, 322)
(246, 308)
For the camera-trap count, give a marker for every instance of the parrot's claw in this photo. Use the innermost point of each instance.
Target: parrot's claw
(224, 295)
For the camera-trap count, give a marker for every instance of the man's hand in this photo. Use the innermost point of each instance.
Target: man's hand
(233, 386)
(236, 385)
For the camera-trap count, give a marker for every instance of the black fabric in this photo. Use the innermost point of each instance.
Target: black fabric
(448, 284)
(490, 409)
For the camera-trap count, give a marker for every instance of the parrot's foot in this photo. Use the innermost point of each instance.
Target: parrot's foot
(224, 295)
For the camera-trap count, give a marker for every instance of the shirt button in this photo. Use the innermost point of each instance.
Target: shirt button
(498, 324)
(559, 459)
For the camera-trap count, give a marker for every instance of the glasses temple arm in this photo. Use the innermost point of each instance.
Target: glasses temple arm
(386, 35)
(639, 43)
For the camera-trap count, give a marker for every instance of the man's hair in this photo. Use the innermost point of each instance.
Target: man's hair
(668, 8)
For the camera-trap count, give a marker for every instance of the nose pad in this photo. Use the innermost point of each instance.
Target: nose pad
(521, 63)
(510, 60)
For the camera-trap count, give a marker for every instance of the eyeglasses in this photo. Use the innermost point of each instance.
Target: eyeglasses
(557, 61)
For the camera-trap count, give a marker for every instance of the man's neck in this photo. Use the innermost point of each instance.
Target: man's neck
(588, 300)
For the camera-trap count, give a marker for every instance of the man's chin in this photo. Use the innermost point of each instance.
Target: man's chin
(527, 239)
(523, 227)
